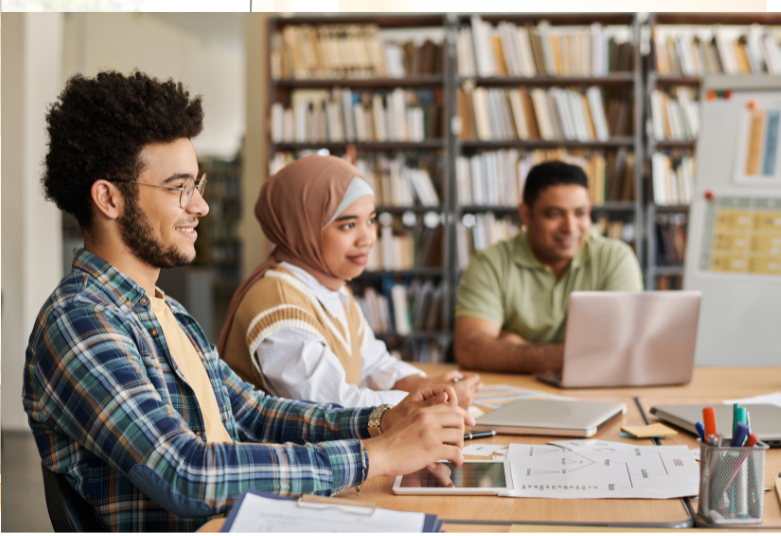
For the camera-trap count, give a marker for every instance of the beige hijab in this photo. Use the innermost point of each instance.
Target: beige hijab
(293, 208)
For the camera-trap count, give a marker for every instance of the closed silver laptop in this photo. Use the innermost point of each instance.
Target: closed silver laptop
(568, 418)
(764, 419)
(628, 339)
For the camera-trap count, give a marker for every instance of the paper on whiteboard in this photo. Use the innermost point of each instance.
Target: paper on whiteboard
(602, 471)
(759, 132)
(260, 514)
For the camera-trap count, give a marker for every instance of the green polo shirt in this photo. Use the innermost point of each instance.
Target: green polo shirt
(506, 284)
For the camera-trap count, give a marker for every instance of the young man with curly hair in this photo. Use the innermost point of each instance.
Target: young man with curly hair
(123, 392)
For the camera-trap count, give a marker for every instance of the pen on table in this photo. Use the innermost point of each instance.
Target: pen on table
(479, 435)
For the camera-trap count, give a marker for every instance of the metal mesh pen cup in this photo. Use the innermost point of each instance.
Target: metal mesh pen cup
(732, 483)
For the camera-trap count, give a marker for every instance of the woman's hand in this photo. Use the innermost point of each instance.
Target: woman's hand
(465, 384)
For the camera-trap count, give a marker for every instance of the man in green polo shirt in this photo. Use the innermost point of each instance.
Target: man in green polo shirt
(511, 311)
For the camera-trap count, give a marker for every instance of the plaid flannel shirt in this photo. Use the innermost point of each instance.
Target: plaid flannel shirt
(110, 409)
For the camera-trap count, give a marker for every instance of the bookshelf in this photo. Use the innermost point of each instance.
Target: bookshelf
(404, 219)
(659, 216)
(628, 213)
(625, 84)
(219, 246)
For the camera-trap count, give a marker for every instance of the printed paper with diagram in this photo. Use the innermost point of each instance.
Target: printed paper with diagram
(591, 469)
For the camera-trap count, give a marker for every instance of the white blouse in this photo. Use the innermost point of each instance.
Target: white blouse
(300, 365)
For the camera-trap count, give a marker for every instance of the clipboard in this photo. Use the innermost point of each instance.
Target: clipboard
(431, 522)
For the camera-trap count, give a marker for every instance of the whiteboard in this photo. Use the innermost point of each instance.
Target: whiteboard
(732, 236)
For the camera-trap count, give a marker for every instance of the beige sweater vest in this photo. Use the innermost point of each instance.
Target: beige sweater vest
(280, 300)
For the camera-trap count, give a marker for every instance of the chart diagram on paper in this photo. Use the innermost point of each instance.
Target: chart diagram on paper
(596, 470)
(742, 235)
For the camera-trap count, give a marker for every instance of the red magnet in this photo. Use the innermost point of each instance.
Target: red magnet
(752, 105)
(709, 195)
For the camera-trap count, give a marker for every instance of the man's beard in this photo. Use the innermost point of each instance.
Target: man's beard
(137, 235)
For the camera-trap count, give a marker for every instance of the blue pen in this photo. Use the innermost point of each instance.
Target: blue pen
(700, 430)
(739, 437)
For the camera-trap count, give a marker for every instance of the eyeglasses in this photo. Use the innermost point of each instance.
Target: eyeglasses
(186, 190)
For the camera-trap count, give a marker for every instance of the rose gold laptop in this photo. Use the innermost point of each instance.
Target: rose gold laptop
(629, 339)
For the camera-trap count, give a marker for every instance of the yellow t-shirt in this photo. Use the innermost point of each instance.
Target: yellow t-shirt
(194, 371)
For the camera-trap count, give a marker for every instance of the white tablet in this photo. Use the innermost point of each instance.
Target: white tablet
(475, 477)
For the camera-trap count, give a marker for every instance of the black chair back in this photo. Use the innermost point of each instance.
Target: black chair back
(68, 511)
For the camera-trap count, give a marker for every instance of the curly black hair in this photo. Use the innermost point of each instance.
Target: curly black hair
(98, 127)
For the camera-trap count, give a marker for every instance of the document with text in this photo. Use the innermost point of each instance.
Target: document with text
(592, 469)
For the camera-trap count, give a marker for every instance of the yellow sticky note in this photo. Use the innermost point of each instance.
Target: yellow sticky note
(651, 430)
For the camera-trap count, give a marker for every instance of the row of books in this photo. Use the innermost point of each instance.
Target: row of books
(616, 229)
(401, 180)
(402, 248)
(228, 208)
(716, 49)
(669, 282)
(339, 115)
(672, 178)
(222, 229)
(670, 242)
(498, 177)
(525, 51)
(349, 51)
(477, 231)
(224, 186)
(401, 309)
(225, 253)
(537, 113)
(675, 114)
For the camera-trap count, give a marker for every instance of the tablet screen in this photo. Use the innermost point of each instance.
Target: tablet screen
(469, 475)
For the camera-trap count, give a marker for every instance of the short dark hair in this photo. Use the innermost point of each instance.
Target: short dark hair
(551, 173)
(98, 127)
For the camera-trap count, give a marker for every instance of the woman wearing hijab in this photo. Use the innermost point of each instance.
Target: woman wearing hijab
(293, 328)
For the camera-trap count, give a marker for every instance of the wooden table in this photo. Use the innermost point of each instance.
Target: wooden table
(509, 510)
(496, 514)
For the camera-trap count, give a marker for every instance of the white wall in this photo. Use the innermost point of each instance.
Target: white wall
(31, 236)
(126, 41)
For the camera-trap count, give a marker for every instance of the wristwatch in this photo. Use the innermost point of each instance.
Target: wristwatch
(375, 419)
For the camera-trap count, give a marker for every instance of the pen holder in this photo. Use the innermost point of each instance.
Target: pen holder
(732, 483)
